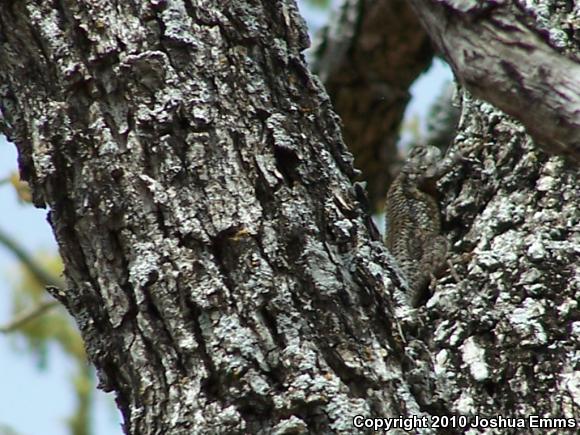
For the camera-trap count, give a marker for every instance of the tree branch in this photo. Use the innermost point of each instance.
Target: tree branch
(500, 60)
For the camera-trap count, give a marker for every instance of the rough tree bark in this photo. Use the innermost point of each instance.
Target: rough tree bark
(504, 339)
(220, 266)
(522, 57)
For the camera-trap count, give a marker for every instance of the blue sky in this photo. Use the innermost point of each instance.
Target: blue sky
(38, 402)
(34, 401)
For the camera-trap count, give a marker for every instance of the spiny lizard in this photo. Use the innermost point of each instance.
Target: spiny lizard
(413, 233)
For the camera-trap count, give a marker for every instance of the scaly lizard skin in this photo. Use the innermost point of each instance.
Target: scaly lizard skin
(413, 233)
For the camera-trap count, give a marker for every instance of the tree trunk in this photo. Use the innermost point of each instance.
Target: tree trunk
(219, 262)
(219, 266)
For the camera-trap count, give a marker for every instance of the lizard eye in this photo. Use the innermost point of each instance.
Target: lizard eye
(418, 153)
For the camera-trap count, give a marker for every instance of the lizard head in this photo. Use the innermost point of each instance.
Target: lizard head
(422, 161)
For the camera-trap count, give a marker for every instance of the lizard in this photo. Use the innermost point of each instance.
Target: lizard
(413, 220)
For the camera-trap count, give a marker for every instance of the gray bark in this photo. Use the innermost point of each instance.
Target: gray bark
(521, 57)
(219, 264)
(503, 334)
(504, 340)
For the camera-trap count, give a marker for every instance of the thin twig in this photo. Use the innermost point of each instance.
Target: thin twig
(27, 316)
(43, 277)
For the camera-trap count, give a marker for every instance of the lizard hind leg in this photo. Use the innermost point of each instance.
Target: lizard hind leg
(435, 254)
